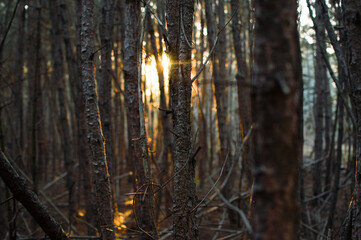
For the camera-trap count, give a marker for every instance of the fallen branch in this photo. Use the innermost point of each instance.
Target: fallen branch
(233, 207)
(30, 200)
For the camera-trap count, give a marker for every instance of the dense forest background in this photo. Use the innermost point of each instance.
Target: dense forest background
(154, 119)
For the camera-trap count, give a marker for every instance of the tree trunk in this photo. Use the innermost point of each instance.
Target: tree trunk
(243, 87)
(104, 83)
(320, 79)
(336, 180)
(18, 86)
(135, 137)
(75, 78)
(59, 80)
(36, 151)
(30, 200)
(167, 141)
(94, 127)
(352, 22)
(184, 220)
(278, 138)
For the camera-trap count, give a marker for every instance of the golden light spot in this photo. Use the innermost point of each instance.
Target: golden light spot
(151, 74)
(120, 219)
(128, 202)
(81, 213)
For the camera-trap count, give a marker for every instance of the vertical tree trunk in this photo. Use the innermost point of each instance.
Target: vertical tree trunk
(336, 180)
(202, 107)
(36, 115)
(105, 84)
(59, 80)
(167, 141)
(352, 22)
(320, 80)
(278, 137)
(219, 79)
(18, 86)
(94, 127)
(184, 221)
(75, 78)
(136, 135)
(244, 100)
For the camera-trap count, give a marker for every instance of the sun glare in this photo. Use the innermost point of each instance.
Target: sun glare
(151, 75)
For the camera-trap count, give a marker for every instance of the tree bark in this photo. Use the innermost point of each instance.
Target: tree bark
(18, 86)
(136, 136)
(75, 77)
(30, 200)
(352, 23)
(320, 79)
(94, 127)
(277, 77)
(184, 220)
(243, 84)
(105, 84)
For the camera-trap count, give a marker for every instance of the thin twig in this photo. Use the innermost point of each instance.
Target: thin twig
(57, 179)
(313, 230)
(220, 224)
(6, 200)
(167, 111)
(233, 207)
(6, 104)
(214, 185)
(220, 230)
(9, 26)
(135, 214)
(182, 28)
(230, 236)
(339, 56)
(160, 23)
(214, 46)
(206, 61)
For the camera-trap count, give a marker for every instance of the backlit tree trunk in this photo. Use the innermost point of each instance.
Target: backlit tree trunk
(136, 137)
(167, 141)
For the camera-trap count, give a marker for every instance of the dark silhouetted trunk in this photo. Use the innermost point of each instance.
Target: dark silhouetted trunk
(59, 80)
(104, 83)
(30, 200)
(278, 138)
(352, 22)
(94, 127)
(320, 81)
(136, 133)
(75, 78)
(167, 141)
